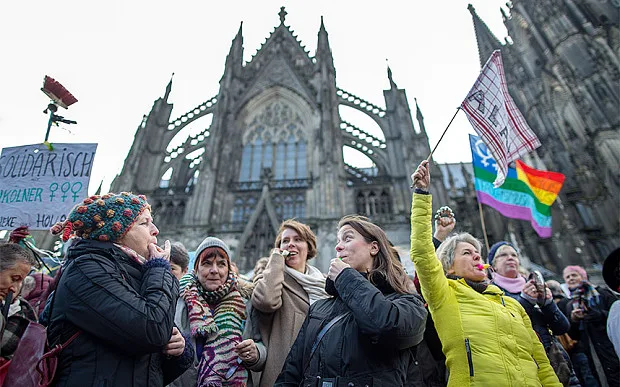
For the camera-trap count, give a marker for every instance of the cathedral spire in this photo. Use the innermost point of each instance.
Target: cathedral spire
(235, 55)
(419, 116)
(487, 42)
(168, 88)
(323, 50)
(392, 83)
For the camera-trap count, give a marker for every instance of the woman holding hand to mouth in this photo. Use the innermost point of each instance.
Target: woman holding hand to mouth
(282, 294)
(487, 338)
(362, 335)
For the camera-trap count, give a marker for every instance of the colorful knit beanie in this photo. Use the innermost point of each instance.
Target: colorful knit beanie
(104, 218)
(494, 248)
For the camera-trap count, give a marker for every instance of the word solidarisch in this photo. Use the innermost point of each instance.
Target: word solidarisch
(56, 164)
(21, 195)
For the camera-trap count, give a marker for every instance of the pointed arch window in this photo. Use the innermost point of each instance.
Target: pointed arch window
(246, 163)
(300, 206)
(288, 207)
(360, 203)
(280, 161)
(256, 160)
(238, 211)
(275, 140)
(301, 159)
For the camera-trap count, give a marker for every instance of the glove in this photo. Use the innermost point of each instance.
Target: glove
(19, 234)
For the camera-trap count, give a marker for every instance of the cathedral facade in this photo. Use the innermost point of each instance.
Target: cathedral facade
(273, 149)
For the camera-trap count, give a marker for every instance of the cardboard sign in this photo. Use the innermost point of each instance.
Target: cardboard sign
(39, 187)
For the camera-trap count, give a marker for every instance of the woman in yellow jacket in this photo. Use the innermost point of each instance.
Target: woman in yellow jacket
(487, 338)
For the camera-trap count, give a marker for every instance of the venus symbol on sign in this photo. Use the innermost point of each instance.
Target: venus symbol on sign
(53, 188)
(483, 152)
(65, 187)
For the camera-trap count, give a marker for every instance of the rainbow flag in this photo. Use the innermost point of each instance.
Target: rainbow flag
(526, 194)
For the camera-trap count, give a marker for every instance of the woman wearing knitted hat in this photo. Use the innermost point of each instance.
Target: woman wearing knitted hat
(282, 294)
(212, 311)
(363, 335)
(537, 300)
(487, 338)
(117, 290)
(587, 308)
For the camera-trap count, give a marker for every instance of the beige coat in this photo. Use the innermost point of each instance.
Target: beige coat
(283, 305)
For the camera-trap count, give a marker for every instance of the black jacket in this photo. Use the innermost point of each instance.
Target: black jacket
(591, 332)
(126, 314)
(370, 346)
(548, 317)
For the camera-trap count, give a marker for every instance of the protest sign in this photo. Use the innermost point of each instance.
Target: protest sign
(38, 187)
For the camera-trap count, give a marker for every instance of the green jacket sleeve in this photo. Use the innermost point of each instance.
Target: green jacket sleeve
(433, 281)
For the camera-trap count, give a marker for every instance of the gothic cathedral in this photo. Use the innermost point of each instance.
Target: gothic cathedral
(274, 146)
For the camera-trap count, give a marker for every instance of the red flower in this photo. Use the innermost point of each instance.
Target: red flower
(128, 213)
(104, 238)
(88, 201)
(117, 226)
(78, 224)
(135, 200)
(82, 209)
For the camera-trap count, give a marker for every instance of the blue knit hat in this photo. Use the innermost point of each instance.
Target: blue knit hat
(104, 218)
(494, 248)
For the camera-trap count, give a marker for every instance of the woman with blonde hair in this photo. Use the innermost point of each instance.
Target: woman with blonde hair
(362, 336)
(487, 338)
(283, 292)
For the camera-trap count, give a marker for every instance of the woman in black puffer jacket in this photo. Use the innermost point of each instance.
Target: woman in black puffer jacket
(374, 320)
(117, 290)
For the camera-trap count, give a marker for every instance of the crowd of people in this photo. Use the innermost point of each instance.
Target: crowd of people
(125, 311)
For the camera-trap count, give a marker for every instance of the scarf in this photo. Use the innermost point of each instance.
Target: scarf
(312, 281)
(216, 318)
(511, 285)
(480, 287)
(585, 295)
(132, 254)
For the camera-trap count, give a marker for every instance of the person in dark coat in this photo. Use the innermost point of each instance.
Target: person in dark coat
(117, 290)
(537, 300)
(587, 308)
(374, 320)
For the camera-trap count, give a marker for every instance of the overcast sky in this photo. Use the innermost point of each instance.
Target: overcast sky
(116, 58)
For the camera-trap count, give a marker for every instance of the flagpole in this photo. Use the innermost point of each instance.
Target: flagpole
(443, 134)
(428, 159)
(484, 229)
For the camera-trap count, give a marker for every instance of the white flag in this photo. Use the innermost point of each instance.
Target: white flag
(497, 120)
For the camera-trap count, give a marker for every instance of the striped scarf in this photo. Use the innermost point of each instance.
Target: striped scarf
(217, 317)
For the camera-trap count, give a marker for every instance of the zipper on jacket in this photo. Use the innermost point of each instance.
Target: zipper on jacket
(535, 362)
(469, 359)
